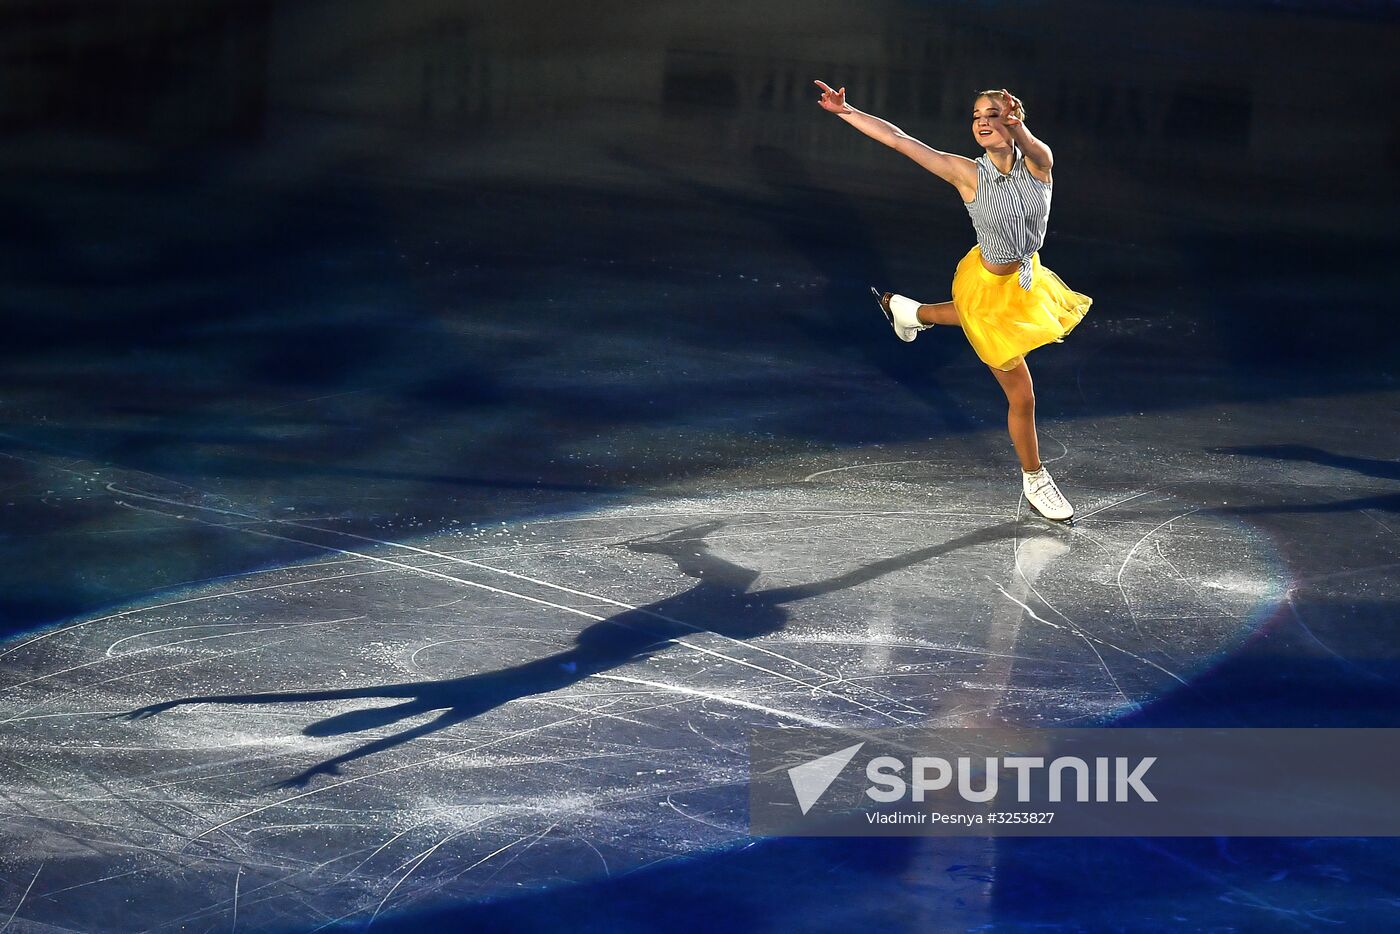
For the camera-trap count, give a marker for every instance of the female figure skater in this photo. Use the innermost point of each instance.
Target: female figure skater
(1005, 301)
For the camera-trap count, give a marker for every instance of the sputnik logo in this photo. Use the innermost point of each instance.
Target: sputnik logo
(810, 780)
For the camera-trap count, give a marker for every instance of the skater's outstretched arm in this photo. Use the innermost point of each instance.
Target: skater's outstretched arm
(958, 171)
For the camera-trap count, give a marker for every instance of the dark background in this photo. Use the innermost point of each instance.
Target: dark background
(218, 211)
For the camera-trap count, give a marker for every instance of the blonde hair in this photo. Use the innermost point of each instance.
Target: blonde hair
(996, 95)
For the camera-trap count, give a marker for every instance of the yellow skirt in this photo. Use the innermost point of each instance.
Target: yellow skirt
(1002, 321)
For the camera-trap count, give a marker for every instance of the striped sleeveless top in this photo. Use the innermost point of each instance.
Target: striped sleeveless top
(1009, 213)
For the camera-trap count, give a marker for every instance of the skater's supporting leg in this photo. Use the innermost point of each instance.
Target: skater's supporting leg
(1036, 483)
(1020, 418)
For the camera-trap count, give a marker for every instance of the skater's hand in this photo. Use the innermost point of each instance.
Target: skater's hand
(1014, 111)
(834, 101)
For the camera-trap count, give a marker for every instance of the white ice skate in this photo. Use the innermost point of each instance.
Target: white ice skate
(1045, 498)
(902, 314)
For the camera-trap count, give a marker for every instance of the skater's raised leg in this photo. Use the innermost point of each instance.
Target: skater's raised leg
(908, 317)
(942, 313)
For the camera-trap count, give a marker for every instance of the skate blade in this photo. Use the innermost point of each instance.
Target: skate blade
(880, 303)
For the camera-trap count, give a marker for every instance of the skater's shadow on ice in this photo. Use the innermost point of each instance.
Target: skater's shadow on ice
(719, 603)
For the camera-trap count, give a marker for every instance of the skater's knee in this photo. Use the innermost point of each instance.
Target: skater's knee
(1021, 399)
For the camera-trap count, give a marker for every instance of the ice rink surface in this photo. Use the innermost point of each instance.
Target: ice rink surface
(447, 716)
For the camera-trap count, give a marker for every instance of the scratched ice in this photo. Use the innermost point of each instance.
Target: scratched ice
(397, 724)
